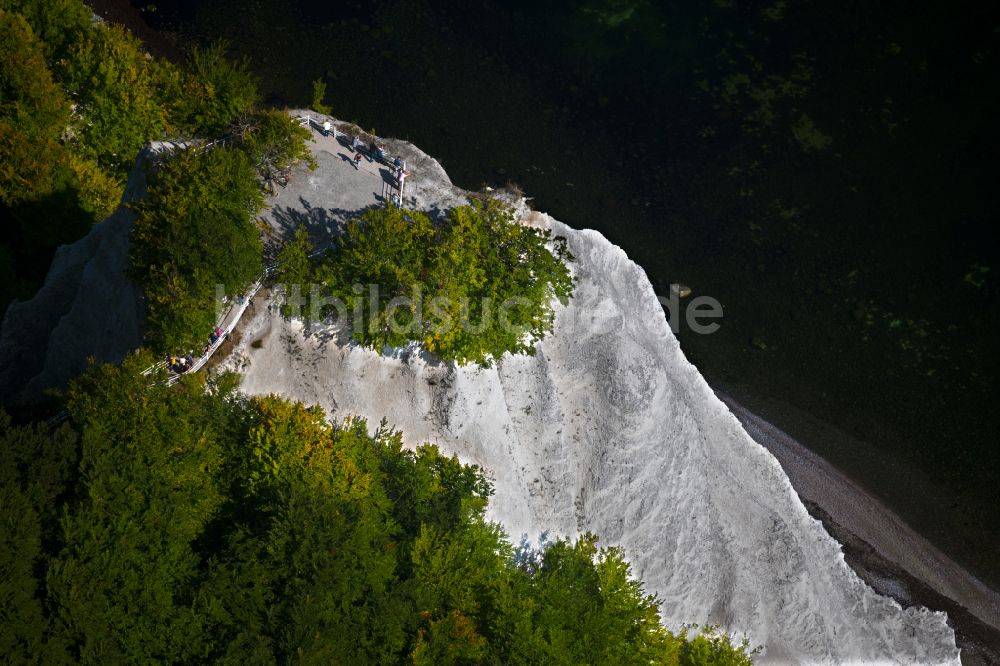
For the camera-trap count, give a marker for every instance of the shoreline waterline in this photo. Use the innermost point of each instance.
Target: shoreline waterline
(868, 519)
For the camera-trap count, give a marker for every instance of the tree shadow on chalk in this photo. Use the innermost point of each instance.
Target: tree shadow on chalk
(323, 224)
(331, 331)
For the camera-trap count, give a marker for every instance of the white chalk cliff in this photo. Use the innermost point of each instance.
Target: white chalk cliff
(86, 307)
(607, 429)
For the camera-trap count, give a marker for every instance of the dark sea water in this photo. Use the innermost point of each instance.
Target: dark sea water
(827, 171)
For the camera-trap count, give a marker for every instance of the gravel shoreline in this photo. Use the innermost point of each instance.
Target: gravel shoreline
(979, 642)
(885, 552)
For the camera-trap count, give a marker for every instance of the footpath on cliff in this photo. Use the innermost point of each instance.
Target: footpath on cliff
(342, 186)
(323, 200)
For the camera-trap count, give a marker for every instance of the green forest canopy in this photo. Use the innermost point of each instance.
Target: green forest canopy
(468, 288)
(196, 234)
(78, 100)
(196, 237)
(192, 524)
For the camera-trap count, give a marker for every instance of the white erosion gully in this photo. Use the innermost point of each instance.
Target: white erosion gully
(609, 429)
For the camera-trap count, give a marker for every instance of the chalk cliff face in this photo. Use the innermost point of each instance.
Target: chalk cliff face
(87, 307)
(609, 429)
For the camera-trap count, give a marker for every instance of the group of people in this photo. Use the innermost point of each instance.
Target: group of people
(180, 364)
(375, 151)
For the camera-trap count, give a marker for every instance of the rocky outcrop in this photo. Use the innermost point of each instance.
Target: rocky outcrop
(606, 429)
(86, 308)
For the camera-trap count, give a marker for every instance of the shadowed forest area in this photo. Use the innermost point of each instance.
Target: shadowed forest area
(191, 524)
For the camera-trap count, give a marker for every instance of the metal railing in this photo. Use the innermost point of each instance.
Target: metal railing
(242, 303)
(327, 126)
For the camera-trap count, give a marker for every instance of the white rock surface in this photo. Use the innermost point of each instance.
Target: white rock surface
(87, 306)
(609, 429)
